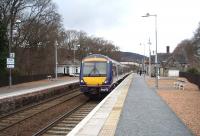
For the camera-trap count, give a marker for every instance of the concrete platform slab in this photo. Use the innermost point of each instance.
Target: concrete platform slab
(30, 87)
(104, 115)
(131, 109)
(146, 114)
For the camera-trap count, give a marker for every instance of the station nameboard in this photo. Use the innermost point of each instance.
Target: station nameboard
(10, 62)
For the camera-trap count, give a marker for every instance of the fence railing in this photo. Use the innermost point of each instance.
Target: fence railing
(193, 78)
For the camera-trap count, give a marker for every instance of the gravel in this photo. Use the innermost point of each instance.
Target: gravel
(185, 103)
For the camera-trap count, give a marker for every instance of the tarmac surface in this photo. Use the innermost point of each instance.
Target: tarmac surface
(132, 109)
(29, 87)
(146, 114)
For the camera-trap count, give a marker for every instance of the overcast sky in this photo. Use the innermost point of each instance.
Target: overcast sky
(120, 21)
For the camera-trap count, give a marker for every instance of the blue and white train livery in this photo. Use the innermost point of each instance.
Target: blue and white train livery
(99, 73)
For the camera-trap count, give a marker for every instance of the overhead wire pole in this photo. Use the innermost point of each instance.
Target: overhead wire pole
(144, 69)
(156, 59)
(149, 58)
(56, 60)
(143, 62)
(74, 71)
(11, 55)
(156, 55)
(10, 44)
(75, 48)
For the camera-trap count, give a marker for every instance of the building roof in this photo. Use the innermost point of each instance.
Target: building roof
(70, 62)
(169, 59)
(162, 57)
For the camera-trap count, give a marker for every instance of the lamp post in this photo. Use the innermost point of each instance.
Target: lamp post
(143, 65)
(10, 44)
(56, 60)
(149, 58)
(156, 56)
(75, 48)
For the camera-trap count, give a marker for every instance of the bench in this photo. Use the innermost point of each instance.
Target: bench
(49, 77)
(179, 84)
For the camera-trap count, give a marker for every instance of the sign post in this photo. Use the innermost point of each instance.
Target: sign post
(10, 65)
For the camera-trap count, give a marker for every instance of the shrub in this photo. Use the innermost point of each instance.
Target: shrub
(193, 71)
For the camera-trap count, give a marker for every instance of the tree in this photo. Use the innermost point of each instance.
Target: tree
(34, 42)
(3, 49)
(187, 50)
(8, 12)
(38, 35)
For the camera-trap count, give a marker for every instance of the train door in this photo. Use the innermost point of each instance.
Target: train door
(117, 69)
(115, 72)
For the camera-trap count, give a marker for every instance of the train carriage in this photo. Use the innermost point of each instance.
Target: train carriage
(99, 73)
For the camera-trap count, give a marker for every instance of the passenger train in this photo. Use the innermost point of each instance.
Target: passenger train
(99, 73)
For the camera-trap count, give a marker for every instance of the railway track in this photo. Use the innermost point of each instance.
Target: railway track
(63, 125)
(59, 121)
(12, 120)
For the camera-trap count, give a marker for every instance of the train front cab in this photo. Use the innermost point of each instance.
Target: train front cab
(96, 76)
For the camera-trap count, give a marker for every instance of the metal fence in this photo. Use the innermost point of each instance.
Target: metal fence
(193, 78)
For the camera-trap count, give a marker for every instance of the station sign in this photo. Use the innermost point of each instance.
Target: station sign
(10, 66)
(12, 55)
(10, 63)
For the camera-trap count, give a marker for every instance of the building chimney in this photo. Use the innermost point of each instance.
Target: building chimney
(168, 49)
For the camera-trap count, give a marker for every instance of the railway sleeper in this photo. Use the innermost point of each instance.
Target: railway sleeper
(51, 132)
(78, 116)
(7, 121)
(70, 122)
(61, 128)
(82, 114)
(73, 119)
(65, 128)
(50, 135)
(86, 110)
(66, 125)
(2, 126)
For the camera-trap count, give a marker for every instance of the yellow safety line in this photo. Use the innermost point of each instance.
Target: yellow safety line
(112, 121)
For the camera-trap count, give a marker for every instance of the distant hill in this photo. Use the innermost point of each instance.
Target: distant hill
(129, 56)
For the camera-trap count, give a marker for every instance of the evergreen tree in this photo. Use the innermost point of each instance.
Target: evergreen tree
(3, 48)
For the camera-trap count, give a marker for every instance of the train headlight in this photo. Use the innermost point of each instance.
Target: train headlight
(105, 82)
(82, 81)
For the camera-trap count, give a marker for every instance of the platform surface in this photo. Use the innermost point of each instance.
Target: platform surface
(131, 109)
(146, 114)
(102, 120)
(34, 86)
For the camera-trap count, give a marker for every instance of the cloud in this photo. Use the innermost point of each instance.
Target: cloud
(91, 15)
(120, 21)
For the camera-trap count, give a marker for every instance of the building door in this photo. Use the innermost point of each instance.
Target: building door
(67, 71)
(76, 70)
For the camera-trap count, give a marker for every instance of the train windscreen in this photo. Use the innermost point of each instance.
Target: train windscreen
(93, 69)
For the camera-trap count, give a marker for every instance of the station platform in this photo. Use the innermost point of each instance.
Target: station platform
(30, 87)
(131, 109)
